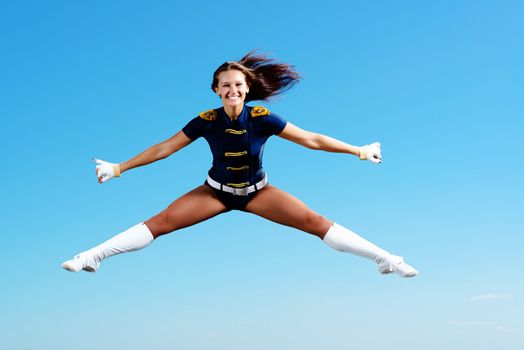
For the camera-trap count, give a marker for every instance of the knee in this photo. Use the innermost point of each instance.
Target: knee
(316, 224)
(161, 224)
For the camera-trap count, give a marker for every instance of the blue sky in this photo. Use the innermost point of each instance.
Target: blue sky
(439, 84)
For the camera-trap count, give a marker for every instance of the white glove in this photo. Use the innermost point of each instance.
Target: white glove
(371, 152)
(106, 171)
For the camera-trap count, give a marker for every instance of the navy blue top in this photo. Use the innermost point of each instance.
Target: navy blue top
(237, 145)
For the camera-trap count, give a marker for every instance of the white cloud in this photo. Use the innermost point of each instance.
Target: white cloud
(491, 296)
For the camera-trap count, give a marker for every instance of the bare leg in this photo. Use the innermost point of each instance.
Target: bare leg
(193, 207)
(281, 207)
(196, 206)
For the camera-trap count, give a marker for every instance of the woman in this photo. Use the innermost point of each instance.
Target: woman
(236, 134)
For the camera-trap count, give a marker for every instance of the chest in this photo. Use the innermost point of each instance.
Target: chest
(241, 135)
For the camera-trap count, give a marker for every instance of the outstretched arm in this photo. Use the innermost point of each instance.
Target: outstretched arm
(157, 152)
(325, 143)
(105, 171)
(317, 141)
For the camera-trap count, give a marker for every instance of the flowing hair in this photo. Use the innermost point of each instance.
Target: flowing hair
(264, 76)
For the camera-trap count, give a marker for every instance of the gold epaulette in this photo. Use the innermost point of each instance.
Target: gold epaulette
(259, 111)
(209, 115)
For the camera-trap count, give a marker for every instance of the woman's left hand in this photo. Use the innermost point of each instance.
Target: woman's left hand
(371, 152)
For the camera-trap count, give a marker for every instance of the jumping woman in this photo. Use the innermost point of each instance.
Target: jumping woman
(236, 134)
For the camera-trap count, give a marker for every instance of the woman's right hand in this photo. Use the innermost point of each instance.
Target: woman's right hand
(106, 171)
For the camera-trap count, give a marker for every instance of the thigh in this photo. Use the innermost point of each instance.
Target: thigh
(281, 207)
(195, 206)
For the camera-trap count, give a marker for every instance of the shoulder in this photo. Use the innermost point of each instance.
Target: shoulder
(272, 123)
(259, 111)
(264, 115)
(209, 115)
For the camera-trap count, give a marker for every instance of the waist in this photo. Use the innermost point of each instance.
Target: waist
(237, 189)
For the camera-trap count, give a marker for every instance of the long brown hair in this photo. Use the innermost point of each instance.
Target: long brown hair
(264, 76)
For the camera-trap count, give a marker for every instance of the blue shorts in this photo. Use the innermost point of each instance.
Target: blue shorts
(231, 201)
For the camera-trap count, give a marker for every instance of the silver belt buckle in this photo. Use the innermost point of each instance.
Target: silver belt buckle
(240, 191)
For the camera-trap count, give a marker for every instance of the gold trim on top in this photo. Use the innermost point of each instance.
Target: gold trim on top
(244, 167)
(208, 115)
(259, 111)
(235, 154)
(235, 132)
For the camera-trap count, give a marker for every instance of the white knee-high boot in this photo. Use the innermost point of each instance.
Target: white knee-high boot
(344, 240)
(134, 238)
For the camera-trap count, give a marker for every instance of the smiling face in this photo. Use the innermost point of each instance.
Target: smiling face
(232, 88)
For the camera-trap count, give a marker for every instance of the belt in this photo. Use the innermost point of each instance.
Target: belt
(244, 191)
